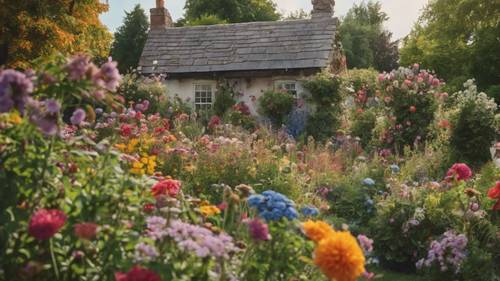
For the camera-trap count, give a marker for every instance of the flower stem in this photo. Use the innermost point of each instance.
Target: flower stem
(53, 257)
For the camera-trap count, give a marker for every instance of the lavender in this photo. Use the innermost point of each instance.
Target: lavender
(448, 253)
(15, 88)
(200, 240)
(145, 253)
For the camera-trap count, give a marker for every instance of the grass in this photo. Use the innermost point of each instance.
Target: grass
(393, 276)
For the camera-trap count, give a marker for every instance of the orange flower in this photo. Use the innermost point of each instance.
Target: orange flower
(340, 257)
(317, 230)
(209, 210)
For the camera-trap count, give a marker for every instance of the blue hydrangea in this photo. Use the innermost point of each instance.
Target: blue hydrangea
(273, 206)
(309, 211)
(369, 182)
(395, 169)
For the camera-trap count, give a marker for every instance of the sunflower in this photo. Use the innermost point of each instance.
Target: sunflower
(317, 230)
(340, 257)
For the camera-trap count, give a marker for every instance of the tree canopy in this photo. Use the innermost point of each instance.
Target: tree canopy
(231, 11)
(366, 43)
(33, 29)
(459, 39)
(130, 39)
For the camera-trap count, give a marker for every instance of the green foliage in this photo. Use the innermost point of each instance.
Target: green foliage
(206, 20)
(365, 42)
(276, 105)
(224, 98)
(130, 39)
(474, 40)
(363, 127)
(231, 11)
(237, 118)
(474, 127)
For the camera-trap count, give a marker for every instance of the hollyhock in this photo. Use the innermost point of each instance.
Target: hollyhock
(86, 231)
(137, 273)
(494, 193)
(168, 187)
(459, 172)
(44, 224)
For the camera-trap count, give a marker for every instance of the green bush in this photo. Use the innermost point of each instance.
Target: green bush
(276, 106)
(224, 99)
(363, 126)
(473, 125)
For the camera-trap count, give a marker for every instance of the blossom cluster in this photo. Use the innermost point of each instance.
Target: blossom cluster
(449, 252)
(273, 206)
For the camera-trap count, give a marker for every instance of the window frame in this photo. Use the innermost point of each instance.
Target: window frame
(282, 85)
(203, 95)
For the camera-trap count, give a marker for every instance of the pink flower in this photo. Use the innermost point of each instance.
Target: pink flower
(214, 122)
(381, 77)
(44, 224)
(416, 66)
(413, 109)
(137, 273)
(86, 231)
(167, 187)
(459, 171)
(258, 230)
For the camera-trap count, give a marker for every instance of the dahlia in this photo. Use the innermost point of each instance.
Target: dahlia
(459, 171)
(317, 230)
(339, 257)
(46, 223)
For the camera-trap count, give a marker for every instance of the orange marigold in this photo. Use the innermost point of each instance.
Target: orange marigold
(317, 230)
(340, 257)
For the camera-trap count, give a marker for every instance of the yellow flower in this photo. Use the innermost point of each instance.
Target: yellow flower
(317, 230)
(15, 118)
(131, 145)
(121, 146)
(340, 257)
(209, 210)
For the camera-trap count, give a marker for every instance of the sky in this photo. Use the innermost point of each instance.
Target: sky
(402, 13)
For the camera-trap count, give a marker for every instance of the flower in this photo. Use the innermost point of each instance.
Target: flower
(309, 211)
(145, 253)
(258, 230)
(156, 227)
(168, 187)
(137, 273)
(459, 171)
(449, 251)
(395, 169)
(46, 223)
(365, 243)
(413, 109)
(368, 182)
(340, 257)
(52, 106)
(317, 230)
(86, 231)
(78, 116)
(78, 67)
(108, 76)
(148, 208)
(214, 122)
(209, 210)
(272, 205)
(15, 88)
(494, 193)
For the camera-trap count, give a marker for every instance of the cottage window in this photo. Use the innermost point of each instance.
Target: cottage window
(203, 96)
(289, 86)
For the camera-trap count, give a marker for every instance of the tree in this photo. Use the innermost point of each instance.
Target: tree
(33, 29)
(459, 39)
(366, 43)
(130, 39)
(232, 11)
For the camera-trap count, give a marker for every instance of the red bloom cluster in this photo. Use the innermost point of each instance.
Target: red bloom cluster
(494, 193)
(242, 107)
(137, 273)
(86, 231)
(214, 122)
(168, 187)
(459, 171)
(46, 223)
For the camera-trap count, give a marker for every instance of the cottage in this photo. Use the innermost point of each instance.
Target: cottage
(253, 57)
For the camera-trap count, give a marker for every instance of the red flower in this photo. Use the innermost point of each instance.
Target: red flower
(137, 273)
(214, 122)
(413, 109)
(126, 130)
(86, 231)
(46, 223)
(459, 171)
(166, 187)
(149, 208)
(494, 193)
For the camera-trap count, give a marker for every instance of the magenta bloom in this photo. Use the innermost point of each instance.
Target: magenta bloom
(78, 117)
(15, 88)
(46, 223)
(258, 230)
(137, 273)
(77, 67)
(459, 171)
(108, 76)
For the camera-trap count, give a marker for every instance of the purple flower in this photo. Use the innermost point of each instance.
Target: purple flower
(365, 243)
(448, 252)
(156, 227)
(52, 106)
(15, 88)
(258, 230)
(108, 76)
(145, 253)
(78, 116)
(78, 66)
(45, 121)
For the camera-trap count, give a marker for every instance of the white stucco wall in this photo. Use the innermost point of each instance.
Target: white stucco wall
(250, 88)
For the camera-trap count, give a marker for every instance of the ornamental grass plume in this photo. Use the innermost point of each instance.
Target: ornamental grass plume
(339, 257)
(44, 224)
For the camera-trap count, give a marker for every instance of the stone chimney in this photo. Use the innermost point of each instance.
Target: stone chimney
(322, 8)
(160, 17)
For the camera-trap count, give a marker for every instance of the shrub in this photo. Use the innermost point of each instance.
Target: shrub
(363, 126)
(276, 105)
(473, 125)
(224, 98)
(360, 84)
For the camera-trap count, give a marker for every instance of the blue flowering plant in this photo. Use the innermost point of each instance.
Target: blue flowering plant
(273, 206)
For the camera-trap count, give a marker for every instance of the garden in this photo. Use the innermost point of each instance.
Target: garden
(103, 177)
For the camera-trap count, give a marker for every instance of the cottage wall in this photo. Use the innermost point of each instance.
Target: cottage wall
(250, 89)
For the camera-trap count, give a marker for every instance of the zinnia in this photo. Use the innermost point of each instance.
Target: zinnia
(46, 223)
(494, 193)
(459, 171)
(86, 231)
(317, 230)
(168, 187)
(339, 257)
(137, 273)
